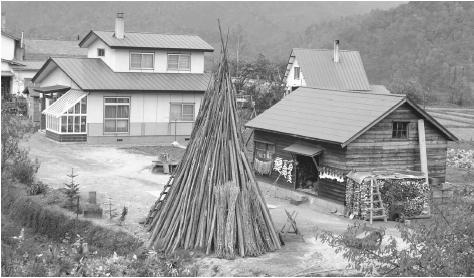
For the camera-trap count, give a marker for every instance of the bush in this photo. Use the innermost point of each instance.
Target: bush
(37, 188)
(24, 169)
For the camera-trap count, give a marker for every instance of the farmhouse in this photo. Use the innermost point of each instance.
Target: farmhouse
(333, 122)
(12, 56)
(132, 87)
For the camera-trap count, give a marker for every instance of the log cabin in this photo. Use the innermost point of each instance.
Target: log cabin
(317, 136)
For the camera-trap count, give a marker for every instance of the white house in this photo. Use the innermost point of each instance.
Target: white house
(334, 69)
(12, 56)
(132, 88)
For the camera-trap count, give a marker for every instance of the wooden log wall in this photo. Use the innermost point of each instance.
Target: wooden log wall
(377, 150)
(333, 156)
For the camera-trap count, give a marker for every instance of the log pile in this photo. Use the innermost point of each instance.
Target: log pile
(214, 203)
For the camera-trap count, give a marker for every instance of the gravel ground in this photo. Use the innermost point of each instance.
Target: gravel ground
(124, 174)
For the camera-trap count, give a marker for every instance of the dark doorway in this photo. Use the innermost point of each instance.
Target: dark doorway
(306, 174)
(6, 86)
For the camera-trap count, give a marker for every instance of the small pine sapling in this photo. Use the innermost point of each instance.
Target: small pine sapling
(111, 211)
(72, 191)
(123, 215)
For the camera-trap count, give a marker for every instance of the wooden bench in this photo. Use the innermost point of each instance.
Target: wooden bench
(166, 167)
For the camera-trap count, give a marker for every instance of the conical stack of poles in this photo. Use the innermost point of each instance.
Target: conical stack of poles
(214, 203)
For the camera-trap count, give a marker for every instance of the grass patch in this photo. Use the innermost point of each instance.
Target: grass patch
(43, 216)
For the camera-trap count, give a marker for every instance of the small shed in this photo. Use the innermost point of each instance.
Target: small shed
(322, 135)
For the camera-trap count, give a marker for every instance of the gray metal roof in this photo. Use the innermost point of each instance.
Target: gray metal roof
(92, 74)
(304, 149)
(320, 71)
(149, 40)
(330, 116)
(42, 49)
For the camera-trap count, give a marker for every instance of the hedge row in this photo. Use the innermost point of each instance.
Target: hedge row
(55, 222)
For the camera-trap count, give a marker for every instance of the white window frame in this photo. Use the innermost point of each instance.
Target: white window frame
(182, 109)
(72, 114)
(299, 73)
(99, 50)
(141, 60)
(117, 104)
(179, 54)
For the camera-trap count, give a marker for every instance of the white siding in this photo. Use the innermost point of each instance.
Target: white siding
(197, 62)
(290, 81)
(8, 48)
(149, 112)
(58, 77)
(108, 58)
(119, 59)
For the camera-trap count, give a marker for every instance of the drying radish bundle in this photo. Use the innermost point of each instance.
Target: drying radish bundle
(214, 203)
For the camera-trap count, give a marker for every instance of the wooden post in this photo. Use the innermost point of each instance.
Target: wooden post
(371, 199)
(422, 143)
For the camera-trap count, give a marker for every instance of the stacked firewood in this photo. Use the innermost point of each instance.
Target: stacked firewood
(214, 203)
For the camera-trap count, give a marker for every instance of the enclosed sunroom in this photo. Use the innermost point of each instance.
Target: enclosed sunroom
(66, 119)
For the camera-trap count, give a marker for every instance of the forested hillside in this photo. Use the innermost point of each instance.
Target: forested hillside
(428, 46)
(269, 28)
(421, 48)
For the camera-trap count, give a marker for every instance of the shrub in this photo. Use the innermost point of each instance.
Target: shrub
(441, 246)
(37, 188)
(24, 169)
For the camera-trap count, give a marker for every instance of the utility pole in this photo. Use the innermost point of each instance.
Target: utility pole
(238, 46)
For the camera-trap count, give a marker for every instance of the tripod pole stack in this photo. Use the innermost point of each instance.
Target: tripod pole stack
(214, 203)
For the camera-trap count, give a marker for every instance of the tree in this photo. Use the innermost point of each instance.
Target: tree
(409, 87)
(14, 128)
(442, 246)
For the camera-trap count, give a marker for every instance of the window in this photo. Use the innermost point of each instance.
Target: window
(400, 130)
(179, 61)
(297, 72)
(181, 112)
(100, 52)
(116, 114)
(139, 61)
(264, 151)
(74, 120)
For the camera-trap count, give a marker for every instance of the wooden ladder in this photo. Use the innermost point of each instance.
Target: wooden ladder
(380, 210)
(159, 203)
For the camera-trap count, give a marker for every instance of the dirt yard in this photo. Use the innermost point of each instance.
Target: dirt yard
(124, 174)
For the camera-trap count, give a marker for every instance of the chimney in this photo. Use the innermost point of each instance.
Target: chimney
(336, 51)
(22, 40)
(119, 26)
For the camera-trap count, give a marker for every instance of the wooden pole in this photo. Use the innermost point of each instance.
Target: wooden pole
(422, 143)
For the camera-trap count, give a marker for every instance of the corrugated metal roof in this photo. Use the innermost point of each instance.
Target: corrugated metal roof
(379, 89)
(52, 89)
(29, 65)
(7, 73)
(93, 74)
(304, 149)
(150, 40)
(333, 116)
(43, 49)
(66, 101)
(320, 71)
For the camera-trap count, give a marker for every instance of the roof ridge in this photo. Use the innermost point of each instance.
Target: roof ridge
(150, 33)
(324, 49)
(46, 39)
(357, 92)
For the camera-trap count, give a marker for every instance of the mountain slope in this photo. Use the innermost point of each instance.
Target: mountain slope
(429, 42)
(264, 27)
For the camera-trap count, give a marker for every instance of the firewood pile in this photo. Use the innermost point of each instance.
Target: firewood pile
(214, 203)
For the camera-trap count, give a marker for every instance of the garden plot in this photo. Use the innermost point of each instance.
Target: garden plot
(110, 171)
(460, 121)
